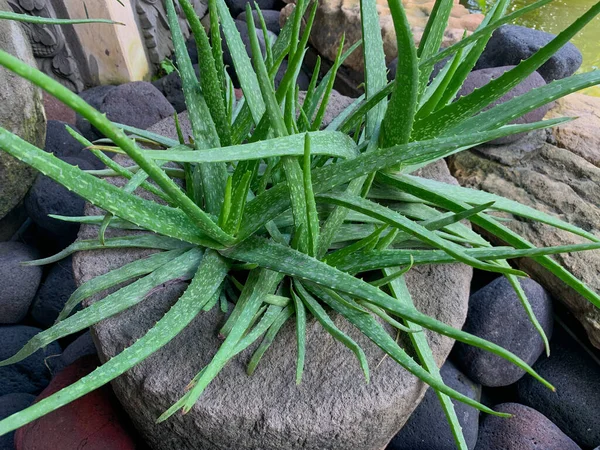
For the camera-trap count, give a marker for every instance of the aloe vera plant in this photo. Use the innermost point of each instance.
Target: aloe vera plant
(303, 211)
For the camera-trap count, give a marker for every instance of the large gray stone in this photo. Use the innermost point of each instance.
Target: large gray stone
(333, 408)
(22, 113)
(563, 182)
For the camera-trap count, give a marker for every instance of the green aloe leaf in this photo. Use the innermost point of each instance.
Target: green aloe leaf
(467, 61)
(468, 105)
(436, 25)
(398, 122)
(275, 201)
(146, 214)
(300, 312)
(181, 268)
(8, 15)
(217, 46)
(153, 137)
(321, 315)
(476, 197)
(117, 276)
(295, 264)
(210, 81)
(517, 106)
(31, 155)
(266, 87)
(214, 176)
(137, 241)
(375, 67)
(242, 64)
(269, 338)
(312, 217)
(505, 234)
(408, 226)
(263, 325)
(264, 282)
(419, 341)
(481, 32)
(207, 280)
(316, 124)
(330, 143)
(364, 260)
(374, 331)
(96, 220)
(311, 108)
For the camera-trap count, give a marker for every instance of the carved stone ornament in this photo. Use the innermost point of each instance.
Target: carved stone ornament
(154, 27)
(50, 48)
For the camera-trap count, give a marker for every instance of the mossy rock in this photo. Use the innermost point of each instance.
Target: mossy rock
(22, 113)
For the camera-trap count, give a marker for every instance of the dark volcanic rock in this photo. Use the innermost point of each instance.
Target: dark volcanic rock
(510, 44)
(238, 6)
(18, 283)
(53, 293)
(271, 20)
(10, 404)
(62, 144)
(139, 104)
(48, 197)
(94, 97)
(479, 78)
(30, 375)
(80, 347)
(171, 87)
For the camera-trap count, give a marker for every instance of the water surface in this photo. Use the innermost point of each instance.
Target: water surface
(555, 17)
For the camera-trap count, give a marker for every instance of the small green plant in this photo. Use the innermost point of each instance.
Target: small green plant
(302, 213)
(167, 66)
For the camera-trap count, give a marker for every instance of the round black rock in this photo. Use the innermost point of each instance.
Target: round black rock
(18, 283)
(139, 104)
(271, 20)
(418, 433)
(30, 375)
(479, 78)
(60, 143)
(238, 6)
(242, 27)
(576, 376)
(527, 429)
(54, 292)
(496, 314)
(510, 44)
(48, 197)
(94, 97)
(10, 404)
(172, 88)
(80, 347)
